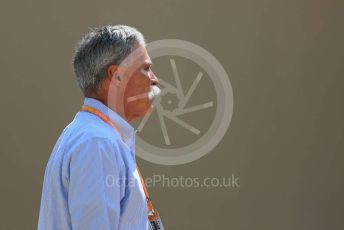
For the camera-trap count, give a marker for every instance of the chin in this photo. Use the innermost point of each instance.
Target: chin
(138, 111)
(136, 115)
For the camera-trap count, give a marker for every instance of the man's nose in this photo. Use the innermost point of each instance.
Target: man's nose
(154, 79)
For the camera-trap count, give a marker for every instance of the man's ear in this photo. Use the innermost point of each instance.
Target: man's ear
(112, 74)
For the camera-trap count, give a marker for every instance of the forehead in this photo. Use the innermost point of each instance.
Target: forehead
(139, 56)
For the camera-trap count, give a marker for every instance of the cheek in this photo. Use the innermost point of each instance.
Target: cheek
(141, 104)
(138, 84)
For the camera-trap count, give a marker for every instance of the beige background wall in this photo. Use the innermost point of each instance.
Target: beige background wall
(285, 142)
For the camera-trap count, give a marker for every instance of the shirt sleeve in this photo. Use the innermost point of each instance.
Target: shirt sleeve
(95, 190)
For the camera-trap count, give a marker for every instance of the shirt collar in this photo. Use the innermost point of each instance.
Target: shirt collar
(127, 130)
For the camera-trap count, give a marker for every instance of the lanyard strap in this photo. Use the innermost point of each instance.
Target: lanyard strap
(152, 215)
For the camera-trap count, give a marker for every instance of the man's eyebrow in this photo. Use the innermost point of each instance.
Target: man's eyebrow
(147, 63)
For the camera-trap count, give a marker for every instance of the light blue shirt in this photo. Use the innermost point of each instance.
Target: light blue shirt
(91, 181)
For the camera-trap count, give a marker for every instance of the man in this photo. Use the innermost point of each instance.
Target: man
(91, 180)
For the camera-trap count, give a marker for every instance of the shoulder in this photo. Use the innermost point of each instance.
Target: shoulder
(89, 136)
(88, 127)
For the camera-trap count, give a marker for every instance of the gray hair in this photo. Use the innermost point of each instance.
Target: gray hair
(100, 48)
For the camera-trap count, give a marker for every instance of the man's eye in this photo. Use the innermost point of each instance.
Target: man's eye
(147, 68)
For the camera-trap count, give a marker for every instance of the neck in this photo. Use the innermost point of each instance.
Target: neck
(114, 105)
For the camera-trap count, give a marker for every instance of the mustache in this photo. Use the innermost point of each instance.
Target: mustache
(152, 94)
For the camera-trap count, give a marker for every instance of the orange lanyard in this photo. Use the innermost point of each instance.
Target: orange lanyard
(152, 215)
